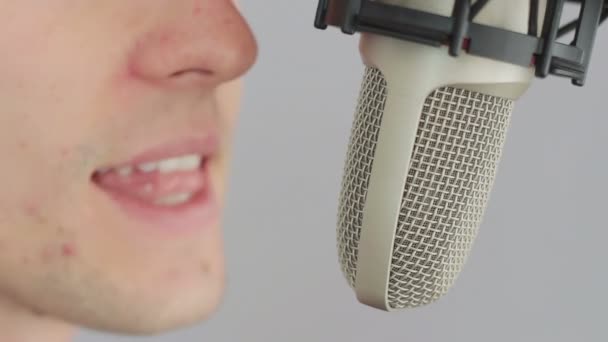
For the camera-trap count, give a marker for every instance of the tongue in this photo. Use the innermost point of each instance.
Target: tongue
(152, 186)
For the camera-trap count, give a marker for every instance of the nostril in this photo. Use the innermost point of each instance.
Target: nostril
(191, 76)
(192, 72)
(193, 52)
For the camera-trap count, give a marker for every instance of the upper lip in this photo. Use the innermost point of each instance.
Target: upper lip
(205, 145)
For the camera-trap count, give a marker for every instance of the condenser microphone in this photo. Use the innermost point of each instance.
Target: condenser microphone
(425, 144)
(428, 134)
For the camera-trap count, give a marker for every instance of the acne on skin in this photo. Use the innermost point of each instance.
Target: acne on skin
(148, 75)
(49, 252)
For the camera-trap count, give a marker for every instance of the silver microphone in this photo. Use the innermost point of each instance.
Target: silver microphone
(425, 145)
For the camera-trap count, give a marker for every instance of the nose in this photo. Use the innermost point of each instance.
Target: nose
(204, 44)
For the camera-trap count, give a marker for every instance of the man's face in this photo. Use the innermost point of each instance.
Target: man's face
(92, 95)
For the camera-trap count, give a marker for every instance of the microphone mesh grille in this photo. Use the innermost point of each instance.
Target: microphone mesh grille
(458, 146)
(358, 167)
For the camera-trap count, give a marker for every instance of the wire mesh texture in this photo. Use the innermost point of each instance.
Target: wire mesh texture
(458, 146)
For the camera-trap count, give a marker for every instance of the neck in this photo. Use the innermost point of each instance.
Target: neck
(19, 324)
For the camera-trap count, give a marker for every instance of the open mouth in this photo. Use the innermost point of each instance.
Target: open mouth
(164, 183)
(166, 187)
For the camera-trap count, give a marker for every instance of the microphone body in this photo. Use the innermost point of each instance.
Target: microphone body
(422, 158)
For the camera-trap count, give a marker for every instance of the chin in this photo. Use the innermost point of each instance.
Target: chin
(139, 316)
(154, 321)
(129, 302)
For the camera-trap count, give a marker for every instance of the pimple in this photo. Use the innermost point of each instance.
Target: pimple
(165, 38)
(47, 254)
(32, 210)
(197, 10)
(50, 252)
(22, 145)
(173, 274)
(68, 250)
(65, 152)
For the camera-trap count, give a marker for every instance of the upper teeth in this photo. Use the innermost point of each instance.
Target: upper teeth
(184, 163)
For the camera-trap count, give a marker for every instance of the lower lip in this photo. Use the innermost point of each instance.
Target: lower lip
(200, 212)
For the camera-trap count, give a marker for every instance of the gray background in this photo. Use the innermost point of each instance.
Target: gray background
(538, 270)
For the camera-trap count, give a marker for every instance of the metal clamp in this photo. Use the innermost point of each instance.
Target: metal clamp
(545, 53)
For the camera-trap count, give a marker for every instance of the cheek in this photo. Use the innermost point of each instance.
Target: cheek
(32, 243)
(68, 250)
(32, 212)
(229, 100)
(56, 252)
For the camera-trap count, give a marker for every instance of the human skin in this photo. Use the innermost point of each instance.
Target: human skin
(90, 84)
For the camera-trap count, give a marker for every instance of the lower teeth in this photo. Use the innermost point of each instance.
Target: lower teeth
(175, 199)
